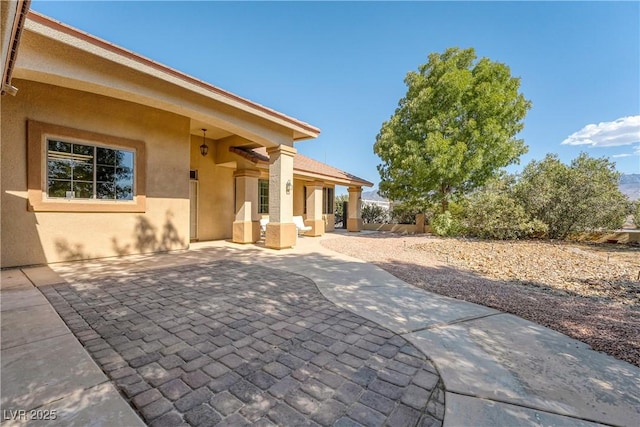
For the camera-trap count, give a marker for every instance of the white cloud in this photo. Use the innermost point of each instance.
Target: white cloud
(623, 131)
(635, 153)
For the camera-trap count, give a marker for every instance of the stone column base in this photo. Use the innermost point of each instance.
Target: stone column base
(246, 231)
(354, 224)
(280, 235)
(317, 227)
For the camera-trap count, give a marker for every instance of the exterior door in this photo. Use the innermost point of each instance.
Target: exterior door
(193, 209)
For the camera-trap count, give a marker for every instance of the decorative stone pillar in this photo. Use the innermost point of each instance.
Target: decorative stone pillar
(246, 227)
(420, 223)
(354, 218)
(281, 231)
(314, 209)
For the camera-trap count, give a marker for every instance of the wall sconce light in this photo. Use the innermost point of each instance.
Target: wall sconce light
(204, 148)
(288, 186)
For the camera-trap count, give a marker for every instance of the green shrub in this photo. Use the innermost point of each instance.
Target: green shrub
(576, 198)
(338, 208)
(445, 224)
(372, 213)
(404, 213)
(497, 215)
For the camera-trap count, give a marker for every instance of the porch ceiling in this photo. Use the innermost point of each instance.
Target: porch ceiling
(213, 132)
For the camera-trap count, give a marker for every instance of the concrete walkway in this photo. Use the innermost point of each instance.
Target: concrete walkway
(48, 378)
(497, 369)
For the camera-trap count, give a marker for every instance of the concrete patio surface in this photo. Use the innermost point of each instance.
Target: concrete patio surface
(44, 370)
(497, 369)
(222, 342)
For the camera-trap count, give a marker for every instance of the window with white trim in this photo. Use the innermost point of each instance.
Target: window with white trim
(84, 171)
(263, 196)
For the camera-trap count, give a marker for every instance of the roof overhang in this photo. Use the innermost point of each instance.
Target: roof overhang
(12, 18)
(321, 172)
(76, 59)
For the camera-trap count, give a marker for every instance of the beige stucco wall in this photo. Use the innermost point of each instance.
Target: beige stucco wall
(215, 204)
(298, 197)
(40, 237)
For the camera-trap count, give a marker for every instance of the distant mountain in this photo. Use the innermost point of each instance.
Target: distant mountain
(373, 195)
(630, 178)
(630, 185)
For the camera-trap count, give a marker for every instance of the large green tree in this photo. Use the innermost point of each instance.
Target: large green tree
(454, 129)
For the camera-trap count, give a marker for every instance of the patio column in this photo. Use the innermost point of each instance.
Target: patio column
(314, 209)
(281, 231)
(354, 218)
(246, 227)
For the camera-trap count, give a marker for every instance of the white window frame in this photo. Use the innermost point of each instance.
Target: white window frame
(94, 181)
(38, 135)
(263, 199)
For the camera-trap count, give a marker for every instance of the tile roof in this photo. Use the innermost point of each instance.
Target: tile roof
(304, 165)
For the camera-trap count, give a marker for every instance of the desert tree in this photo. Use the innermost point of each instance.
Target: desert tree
(452, 131)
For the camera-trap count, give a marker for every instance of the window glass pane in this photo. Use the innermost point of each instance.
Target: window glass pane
(124, 191)
(83, 150)
(62, 147)
(324, 200)
(59, 169)
(105, 156)
(71, 167)
(105, 173)
(83, 171)
(263, 196)
(83, 190)
(106, 190)
(125, 159)
(331, 198)
(59, 188)
(124, 174)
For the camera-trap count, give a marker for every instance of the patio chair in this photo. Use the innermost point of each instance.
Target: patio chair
(263, 226)
(299, 222)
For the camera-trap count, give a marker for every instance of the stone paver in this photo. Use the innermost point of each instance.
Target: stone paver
(227, 343)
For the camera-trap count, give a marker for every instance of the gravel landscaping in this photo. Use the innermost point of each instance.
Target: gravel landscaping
(588, 292)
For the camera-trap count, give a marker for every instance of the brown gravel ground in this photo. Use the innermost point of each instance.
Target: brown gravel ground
(588, 292)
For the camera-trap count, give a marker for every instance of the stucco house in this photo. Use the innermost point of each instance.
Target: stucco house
(107, 153)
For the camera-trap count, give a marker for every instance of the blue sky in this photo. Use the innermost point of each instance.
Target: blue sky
(340, 66)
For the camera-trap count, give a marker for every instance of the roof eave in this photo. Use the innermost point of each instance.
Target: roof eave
(76, 38)
(340, 181)
(17, 25)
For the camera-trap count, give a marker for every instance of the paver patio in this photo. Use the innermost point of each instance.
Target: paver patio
(230, 343)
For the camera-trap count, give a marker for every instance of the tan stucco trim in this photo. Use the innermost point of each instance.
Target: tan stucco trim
(284, 149)
(37, 132)
(250, 173)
